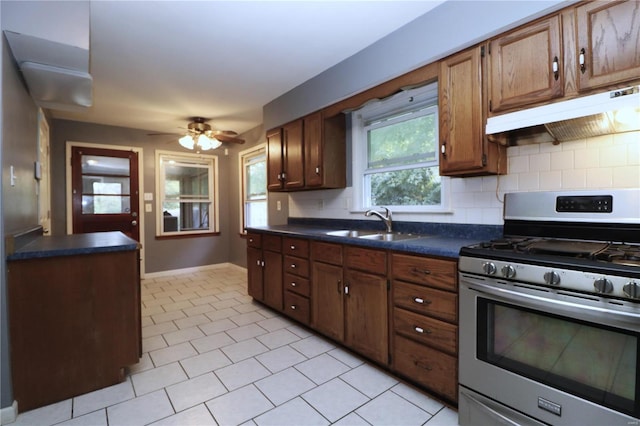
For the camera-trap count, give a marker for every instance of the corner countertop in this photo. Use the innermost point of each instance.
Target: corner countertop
(76, 244)
(432, 239)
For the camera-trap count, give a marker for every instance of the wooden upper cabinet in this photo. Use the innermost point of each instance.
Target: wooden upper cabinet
(464, 149)
(293, 155)
(525, 67)
(274, 160)
(324, 151)
(608, 43)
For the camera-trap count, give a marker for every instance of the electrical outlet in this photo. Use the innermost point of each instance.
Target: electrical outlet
(278, 205)
(12, 176)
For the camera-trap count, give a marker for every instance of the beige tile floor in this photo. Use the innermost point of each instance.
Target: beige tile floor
(212, 356)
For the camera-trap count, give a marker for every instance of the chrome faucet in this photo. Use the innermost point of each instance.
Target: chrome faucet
(386, 218)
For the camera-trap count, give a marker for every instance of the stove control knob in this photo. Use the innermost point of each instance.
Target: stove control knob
(552, 278)
(632, 289)
(489, 268)
(508, 271)
(603, 285)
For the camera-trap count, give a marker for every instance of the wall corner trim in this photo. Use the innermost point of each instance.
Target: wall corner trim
(9, 414)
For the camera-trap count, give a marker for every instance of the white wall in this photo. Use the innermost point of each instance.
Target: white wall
(611, 161)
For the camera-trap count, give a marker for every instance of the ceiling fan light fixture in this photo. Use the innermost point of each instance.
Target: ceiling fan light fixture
(186, 141)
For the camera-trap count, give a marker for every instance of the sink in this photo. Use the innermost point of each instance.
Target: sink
(353, 233)
(389, 236)
(372, 235)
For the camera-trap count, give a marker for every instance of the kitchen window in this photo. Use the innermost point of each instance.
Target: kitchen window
(395, 153)
(253, 187)
(187, 201)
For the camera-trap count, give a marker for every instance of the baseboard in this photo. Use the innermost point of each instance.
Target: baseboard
(192, 270)
(9, 414)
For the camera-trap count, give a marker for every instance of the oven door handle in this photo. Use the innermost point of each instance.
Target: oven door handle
(615, 318)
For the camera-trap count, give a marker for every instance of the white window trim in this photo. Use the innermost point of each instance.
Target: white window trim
(250, 152)
(403, 101)
(214, 226)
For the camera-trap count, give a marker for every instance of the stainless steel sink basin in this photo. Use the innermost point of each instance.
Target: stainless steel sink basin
(389, 237)
(352, 233)
(372, 235)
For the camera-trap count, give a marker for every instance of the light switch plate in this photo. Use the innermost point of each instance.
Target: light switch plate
(148, 208)
(148, 196)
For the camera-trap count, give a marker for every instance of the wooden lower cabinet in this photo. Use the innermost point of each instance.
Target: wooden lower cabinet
(264, 269)
(429, 367)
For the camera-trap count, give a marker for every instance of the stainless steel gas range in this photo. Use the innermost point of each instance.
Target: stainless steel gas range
(550, 313)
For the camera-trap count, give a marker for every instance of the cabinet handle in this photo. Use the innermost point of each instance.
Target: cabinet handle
(250, 240)
(292, 247)
(339, 286)
(554, 67)
(422, 365)
(317, 170)
(284, 176)
(417, 271)
(421, 301)
(582, 61)
(293, 266)
(293, 284)
(421, 330)
(346, 289)
(293, 307)
(443, 149)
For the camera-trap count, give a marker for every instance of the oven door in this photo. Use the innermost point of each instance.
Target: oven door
(556, 357)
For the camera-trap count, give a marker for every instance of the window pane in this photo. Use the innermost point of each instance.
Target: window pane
(186, 181)
(185, 216)
(98, 165)
(105, 185)
(407, 142)
(409, 187)
(256, 213)
(105, 204)
(256, 175)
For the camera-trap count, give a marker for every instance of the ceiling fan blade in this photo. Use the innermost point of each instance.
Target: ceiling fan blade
(231, 139)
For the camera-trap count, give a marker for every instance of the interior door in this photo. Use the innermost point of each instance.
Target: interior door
(104, 191)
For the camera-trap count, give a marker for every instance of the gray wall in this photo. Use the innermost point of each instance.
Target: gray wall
(19, 144)
(446, 29)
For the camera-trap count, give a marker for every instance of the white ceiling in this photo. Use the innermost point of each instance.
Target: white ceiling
(155, 64)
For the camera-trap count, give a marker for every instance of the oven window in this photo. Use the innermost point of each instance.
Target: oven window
(594, 362)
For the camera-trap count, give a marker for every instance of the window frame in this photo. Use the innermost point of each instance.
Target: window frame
(243, 156)
(210, 162)
(392, 109)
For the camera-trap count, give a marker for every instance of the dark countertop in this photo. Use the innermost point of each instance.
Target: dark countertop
(434, 239)
(76, 244)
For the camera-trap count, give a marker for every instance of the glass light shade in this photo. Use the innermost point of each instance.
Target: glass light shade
(186, 141)
(204, 143)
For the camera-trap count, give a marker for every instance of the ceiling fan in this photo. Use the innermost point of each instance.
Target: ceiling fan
(200, 136)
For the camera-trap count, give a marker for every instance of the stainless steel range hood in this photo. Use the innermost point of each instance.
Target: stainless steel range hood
(594, 115)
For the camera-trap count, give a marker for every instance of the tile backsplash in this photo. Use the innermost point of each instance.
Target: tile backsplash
(611, 161)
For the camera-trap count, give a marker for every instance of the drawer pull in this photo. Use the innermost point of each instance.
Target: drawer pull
(421, 301)
(293, 284)
(421, 330)
(293, 266)
(422, 365)
(418, 271)
(293, 247)
(250, 240)
(293, 307)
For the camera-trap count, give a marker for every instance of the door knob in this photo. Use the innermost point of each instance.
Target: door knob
(134, 222)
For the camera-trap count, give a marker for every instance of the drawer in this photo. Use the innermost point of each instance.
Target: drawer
(425, 270)
(295, 247)
(296, 266)
(425, 300)
(326, 252)
(297, 284)
(373, 261)
(296, 306)
(272, 243)
(254, 240)
(427, 367)
(430, 331)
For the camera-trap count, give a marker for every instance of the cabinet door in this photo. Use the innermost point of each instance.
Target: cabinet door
(254, 273)
(608, 44)
(293, 155)
(366, 315)
(327, 311)
(524, 66)
(460, 109)
(274, 159)
(273, 279)
(313, 153)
